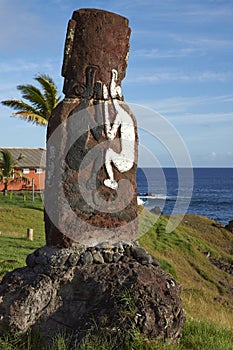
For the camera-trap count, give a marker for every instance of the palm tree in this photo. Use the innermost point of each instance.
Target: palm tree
(41, 102)
(7, 172)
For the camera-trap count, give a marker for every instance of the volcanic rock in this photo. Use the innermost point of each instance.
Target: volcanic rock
(69, 296)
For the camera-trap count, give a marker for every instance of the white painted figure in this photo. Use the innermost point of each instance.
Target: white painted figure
(124, 160)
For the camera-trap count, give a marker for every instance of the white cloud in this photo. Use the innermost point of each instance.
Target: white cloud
(20, 65)
(205, 76)
(209, 43)
(208, 159)
(207, 118)
(196, 119)
(193, 11)
(213, 154)
(182, 104)
(156, 53)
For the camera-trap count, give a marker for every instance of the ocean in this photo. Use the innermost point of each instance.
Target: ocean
(170, 189)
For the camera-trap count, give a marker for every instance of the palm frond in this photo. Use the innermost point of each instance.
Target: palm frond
(20, 106)
(34, 95)
(50, 90)
(31, 117)
(19, 176)
(20, 157)
(41, 104)
(7, 163)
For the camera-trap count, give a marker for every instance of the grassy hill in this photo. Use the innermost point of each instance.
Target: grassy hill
(198, 253)
(193, 254)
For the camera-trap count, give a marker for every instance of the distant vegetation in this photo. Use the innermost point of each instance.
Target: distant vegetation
(7, 169)
(186, 253)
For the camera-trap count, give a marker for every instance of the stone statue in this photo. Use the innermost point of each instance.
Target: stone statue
(92, 140)
(91, 198)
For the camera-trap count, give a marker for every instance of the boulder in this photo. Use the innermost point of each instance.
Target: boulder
(70, 290)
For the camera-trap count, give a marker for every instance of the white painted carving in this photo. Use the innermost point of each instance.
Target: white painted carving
(123, 160)
(115, 90)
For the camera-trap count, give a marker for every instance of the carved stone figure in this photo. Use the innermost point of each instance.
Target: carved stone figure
(92, 140)
(73, 284)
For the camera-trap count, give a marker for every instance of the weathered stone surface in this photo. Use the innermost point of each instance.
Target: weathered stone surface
(90, 192)
(94, 38)
(27, 295)
(68, 298)
(98, 258)
(87, 258)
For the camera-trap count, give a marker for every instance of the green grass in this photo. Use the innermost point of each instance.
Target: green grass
(206, 295)
(16, 215)
(197, 335)
(205, 335)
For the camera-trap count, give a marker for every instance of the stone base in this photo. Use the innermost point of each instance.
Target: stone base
(114, 287)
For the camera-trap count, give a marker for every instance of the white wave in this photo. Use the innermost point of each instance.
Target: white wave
(144, 198)
(154, 196)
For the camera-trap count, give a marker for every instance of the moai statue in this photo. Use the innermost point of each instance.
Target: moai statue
(92, 140)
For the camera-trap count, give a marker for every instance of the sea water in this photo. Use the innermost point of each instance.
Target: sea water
(209, 193)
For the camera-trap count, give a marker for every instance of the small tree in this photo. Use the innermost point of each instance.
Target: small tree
(7, 172)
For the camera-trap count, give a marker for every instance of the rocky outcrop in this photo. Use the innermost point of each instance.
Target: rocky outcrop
(229, 226)
(223, 264)
(116, 287)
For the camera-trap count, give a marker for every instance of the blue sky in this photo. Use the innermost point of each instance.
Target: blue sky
(180, 65)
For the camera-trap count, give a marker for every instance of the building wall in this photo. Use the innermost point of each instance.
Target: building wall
(39, 181)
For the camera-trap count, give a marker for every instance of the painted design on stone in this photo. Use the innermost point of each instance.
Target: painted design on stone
(87, 90)
(89, 125)
(123, 122)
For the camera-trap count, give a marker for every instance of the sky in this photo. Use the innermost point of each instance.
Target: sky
(180, 71)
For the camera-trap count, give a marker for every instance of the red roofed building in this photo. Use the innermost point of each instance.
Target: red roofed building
(32, 167)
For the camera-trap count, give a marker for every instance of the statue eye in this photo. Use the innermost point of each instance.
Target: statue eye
(79, 89)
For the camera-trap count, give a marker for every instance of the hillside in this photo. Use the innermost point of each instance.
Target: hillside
(196, 254)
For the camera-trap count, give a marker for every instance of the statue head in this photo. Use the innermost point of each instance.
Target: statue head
(98, 39)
